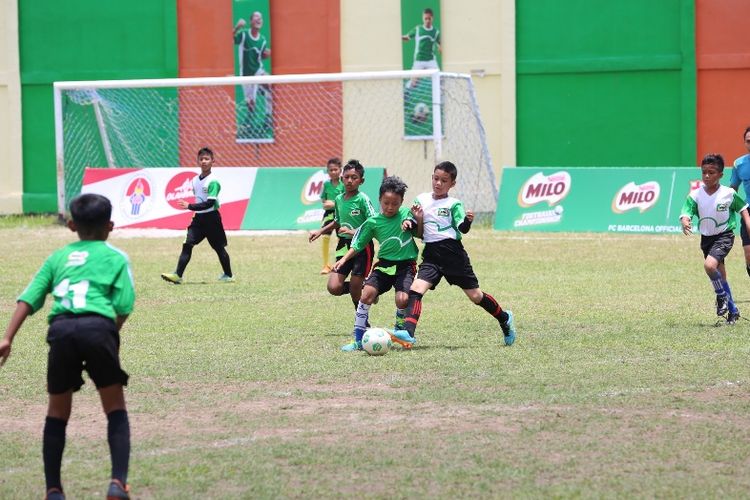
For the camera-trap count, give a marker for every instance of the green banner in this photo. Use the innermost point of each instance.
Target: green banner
(618, 200)
(289, 198)
(252, 57)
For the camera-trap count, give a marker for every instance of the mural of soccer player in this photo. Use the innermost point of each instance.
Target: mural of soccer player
(253, 49)
(426, 44)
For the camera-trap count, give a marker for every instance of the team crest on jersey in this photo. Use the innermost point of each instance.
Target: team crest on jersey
(443, 212)
(722, 207)
(355, 212)
(137, 199)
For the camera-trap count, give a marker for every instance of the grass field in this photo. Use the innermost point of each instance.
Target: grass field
(619, 385)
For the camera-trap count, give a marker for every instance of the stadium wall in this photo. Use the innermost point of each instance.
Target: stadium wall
(11, 151)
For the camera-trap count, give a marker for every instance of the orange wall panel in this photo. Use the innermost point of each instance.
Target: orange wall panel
(204, 33)
(723, 65)
(306, 36)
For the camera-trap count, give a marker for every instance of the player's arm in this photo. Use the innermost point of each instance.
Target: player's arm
(360, 240)
(237, 27)
(327, 229)
(462, 219)
(689, 210)
(23, 311)
(348, 255)
(328, 204)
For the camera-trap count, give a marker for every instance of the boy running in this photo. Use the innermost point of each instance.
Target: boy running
(716, 207)
(444, 256)
(331, 189)
(92, 286)
(206, 223)
(397, 255)
(351, 209)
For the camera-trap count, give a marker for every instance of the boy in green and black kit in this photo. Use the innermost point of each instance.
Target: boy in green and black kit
(92, 286)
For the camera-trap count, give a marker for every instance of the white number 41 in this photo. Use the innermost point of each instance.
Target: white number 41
(78, 290)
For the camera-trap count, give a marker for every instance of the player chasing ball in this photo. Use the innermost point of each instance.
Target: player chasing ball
(92, 286)
(716, 207)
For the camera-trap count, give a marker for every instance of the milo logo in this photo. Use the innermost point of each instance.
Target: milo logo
(313, 188)
(550, 188)
(179, 187)
(632, 195)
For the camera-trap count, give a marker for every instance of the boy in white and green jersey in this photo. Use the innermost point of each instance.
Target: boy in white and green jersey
(716, 208)
(92, 286)
(443, 220)
(206, 222)
(393, 227)
(351, 209)
(331, 189)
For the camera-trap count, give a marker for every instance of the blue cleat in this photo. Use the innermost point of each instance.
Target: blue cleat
(509, 329)
(352, 346)
(402, 338)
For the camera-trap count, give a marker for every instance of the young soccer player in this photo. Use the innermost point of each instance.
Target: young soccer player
(426, 43)
(393, 227)
(331, 189)
(444, 220)
(92, 287)
(351, 209)
(206, 223)
(741, 175)
(716, 207)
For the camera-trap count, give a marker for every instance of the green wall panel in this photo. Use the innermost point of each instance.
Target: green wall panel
(605, 83)
(82, 40)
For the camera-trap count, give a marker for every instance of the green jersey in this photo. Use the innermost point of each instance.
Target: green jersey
(395, 244)
(330, 192)
(250, 52)
(206, 188)
(717, 213)
(85, 277)
(352, 212)
(425, 41)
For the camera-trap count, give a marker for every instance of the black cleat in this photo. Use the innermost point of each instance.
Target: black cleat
(732, 317)
(722, 304)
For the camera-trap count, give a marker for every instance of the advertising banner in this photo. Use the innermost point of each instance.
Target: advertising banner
(617, 200)
(250, 197)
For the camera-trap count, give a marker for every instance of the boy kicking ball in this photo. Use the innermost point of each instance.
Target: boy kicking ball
(92, 287)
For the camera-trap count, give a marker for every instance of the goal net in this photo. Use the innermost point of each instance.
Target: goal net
(404, 121)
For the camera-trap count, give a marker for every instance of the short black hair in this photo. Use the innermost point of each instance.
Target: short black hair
(205, 151)
(335, 161)
(714, 159)
(393, 184)
(428, 11)
(447, 167)
(91, 211)
(356, 166)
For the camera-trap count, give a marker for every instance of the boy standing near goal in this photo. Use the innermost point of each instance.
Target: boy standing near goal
(331, 189)
(444, 220)
(716, 207)
(206, 223)
(92, 286)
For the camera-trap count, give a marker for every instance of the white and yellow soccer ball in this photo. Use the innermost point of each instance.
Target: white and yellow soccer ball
(376, 341)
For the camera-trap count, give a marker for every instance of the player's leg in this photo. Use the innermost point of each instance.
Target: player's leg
(361, 267)
(337, 284)
(362, 315)
(715, 249)
(217, 238)
(194, 236)
(326, 242)
(489, 304)
(745, 244)
(403, 282)
(53, 440)
(428, 277)
(268, 94)
(118, 437)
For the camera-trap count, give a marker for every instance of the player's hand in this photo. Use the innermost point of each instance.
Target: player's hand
(687, 229)
(4, 351)
(346, 230)
(336, 266)
(241, 23)
(470, 215)
(313, 235)
(407, 225)
(182, 203)
(417, 212)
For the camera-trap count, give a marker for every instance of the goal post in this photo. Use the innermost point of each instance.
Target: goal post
(279, 121)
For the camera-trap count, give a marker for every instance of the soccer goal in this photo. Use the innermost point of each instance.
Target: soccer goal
(404, 121)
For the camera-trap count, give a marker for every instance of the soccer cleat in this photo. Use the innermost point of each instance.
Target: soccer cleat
(722, 304)
(402, 338)
(226, 279)
(54, 494)
(117, 490)
(732, 317)
(172, 278)
(352, 346)
(509, 329)
(400, 324)
(326, 269)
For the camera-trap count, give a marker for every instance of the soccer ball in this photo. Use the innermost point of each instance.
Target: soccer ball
(376, 341)
(421, 112)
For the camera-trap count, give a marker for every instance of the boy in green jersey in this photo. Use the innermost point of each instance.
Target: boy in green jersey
(716, 207)
(331, 189)
(426, 42)
(92, 286)
(351, 209)
(393, 227)
(253, 49)
(206, 223)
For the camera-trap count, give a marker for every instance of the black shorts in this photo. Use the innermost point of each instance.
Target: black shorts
(718, 245)
(387, 274)
(447, 259)
(361, 264)
(83, 342)
(327, 218)
(208, 226)
(743, 233)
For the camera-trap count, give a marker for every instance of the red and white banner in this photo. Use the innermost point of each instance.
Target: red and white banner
(148, 197)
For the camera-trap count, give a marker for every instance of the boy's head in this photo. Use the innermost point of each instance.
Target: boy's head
(712, 169)
(90, 216)
(443, 178)
(392, 192)
(353, 175)
(427, 17)
(205, 158)
(256, 20)
(714, 159)
(333, 167)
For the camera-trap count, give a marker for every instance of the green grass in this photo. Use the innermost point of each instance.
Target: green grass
(619, 385)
